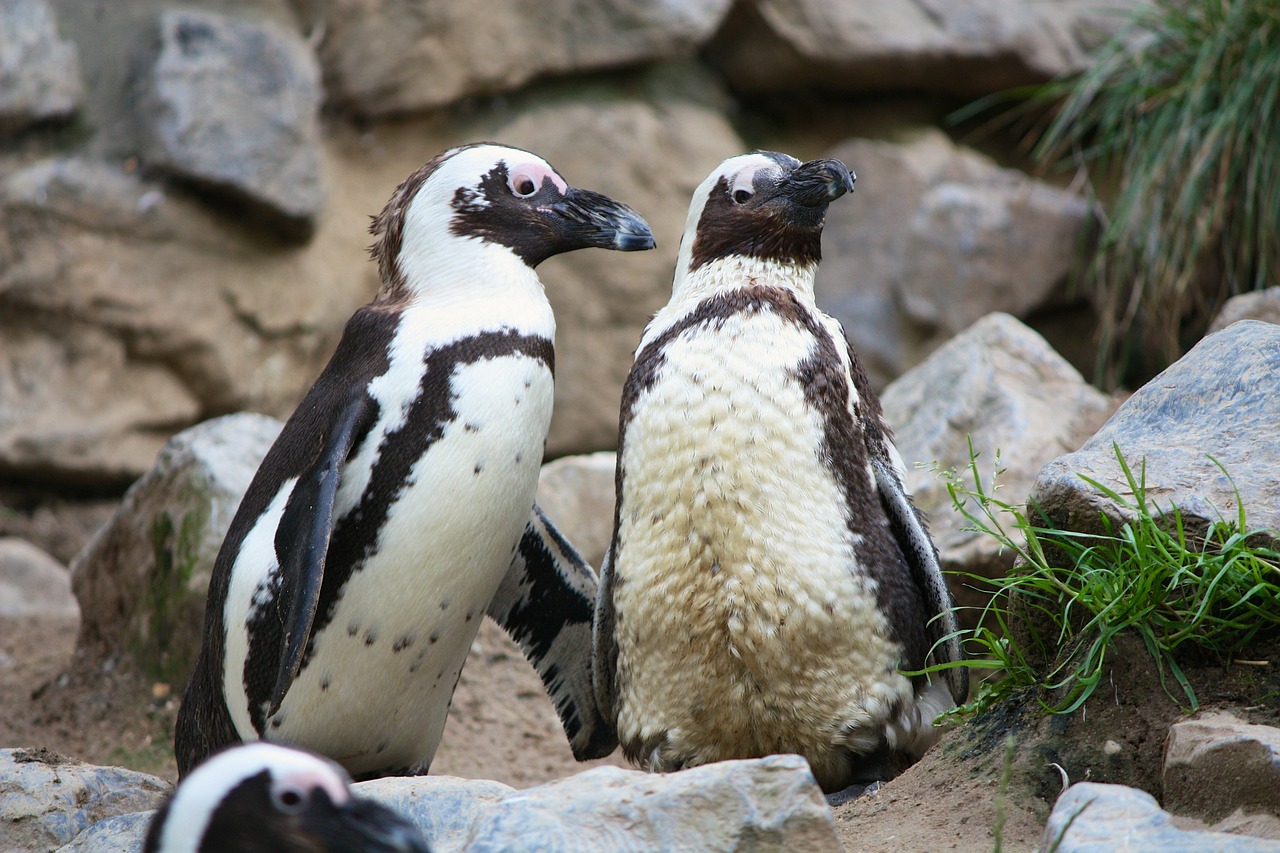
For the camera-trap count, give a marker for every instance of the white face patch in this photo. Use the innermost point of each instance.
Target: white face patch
(525, 177)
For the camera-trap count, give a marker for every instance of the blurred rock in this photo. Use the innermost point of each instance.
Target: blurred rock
(1261, 305)
(936, 237)
(1001, 387)
(1215, 763)
(1220, 401)
(394, 56)
(232, 105)
(120, 834)
(959, 47)
(47, 799)
(33, 583)
(1091, 817)
(445, 808)
(143, 579)
(577, 493)
(39, 71)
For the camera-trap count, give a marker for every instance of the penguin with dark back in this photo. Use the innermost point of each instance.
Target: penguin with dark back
(396, 508)
(769, 579)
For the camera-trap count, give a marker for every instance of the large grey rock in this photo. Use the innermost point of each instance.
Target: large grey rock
(999, 385)
(232, 105)
(936, 237)
(1216, 763)
(143, 579)
(1221, 401)
(1261, 305)
(445, 808)
(33, 583)
(577, 493)
(1091, 817)
(957, 47)
(395, 56)
(47, 799)
(120, 834)
(39, 71)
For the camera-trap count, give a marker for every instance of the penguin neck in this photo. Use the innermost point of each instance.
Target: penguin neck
(738, 271)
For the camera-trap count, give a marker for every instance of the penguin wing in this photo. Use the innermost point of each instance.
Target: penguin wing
(302, 537)
(604, 641)
(918, 548)
(545, 604)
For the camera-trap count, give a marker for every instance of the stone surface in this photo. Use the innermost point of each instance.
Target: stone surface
(1091, 817)
(959, 47)
(47, 799)
(935, 237)
(120, 834)
(1215, 763)
(1221, 401)
(445, 808)
(999, 385)
(232, 105)
(577, 493)
(1261, 305)
(33, 583)
(394, 56)
(142, 580)
(39, 70)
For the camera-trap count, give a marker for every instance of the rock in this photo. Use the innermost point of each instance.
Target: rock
(1216, 763)
(232, 105)
(121, 834)
(935, 238)
(577, 493)
(960, 47)
(47, 799)
(1091, 817)
(999, 385)
(39, 71)
(763, 804)
(445, 808)
(32, 583)
(143, 579)
(1220, 401)
(1261, 305)
(395, 56)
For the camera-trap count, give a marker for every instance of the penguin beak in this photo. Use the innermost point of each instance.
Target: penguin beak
(365, 826)
(585, 219)
(818, 183)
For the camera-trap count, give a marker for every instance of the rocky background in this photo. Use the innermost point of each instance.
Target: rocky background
(185, 191)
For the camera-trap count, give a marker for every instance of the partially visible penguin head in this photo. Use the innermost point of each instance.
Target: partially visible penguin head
(265, 797)
(490, 196)
(766, 206)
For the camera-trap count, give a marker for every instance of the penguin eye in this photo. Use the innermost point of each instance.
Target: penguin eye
(523, 186)
(742, 196)
(289, 800)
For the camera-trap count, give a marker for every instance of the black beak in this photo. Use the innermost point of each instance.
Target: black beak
(819, 182)
(585, 218)
(365, 826)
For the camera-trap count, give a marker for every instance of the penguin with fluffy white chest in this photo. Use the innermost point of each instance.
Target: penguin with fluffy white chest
(769, 580)
(396, 508)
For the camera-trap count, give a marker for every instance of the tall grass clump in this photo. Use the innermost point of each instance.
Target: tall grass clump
(1179, 118)
(1055, 618)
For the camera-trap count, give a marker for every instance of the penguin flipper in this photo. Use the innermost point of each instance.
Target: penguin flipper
(604, 641)
(302, 540)
(545, 604)
(922, 556)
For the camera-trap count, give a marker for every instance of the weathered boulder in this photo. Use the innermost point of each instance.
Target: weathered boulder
(232, 105)
(39, 70)
(47, 799)
(1217, 405)
(143, 579)
(1000, 387)
(577, 493)
(960, 47)
(936, 237)
(1216, 763)
(32, 583)
(396, 56)
(1261, 305)
(1092, 817)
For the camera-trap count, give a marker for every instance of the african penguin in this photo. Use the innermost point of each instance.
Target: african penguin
(768, 578)
(396, 507)
(275, 799)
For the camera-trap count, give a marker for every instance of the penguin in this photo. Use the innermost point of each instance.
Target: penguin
(769, 585)
(396, 507)
(275, 799)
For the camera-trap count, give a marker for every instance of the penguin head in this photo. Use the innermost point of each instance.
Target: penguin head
(262, 796)
(765, 206)
(472, 202)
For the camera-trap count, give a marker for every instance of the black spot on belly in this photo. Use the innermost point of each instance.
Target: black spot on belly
(353, 629)
(470, 614)
(324, 684)
(470, 426)
(479, 467)
(444, 605)
(370, 637)
(382, 747)
(277, 722)
(435, 636)
(402, 643)
(519, 458)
